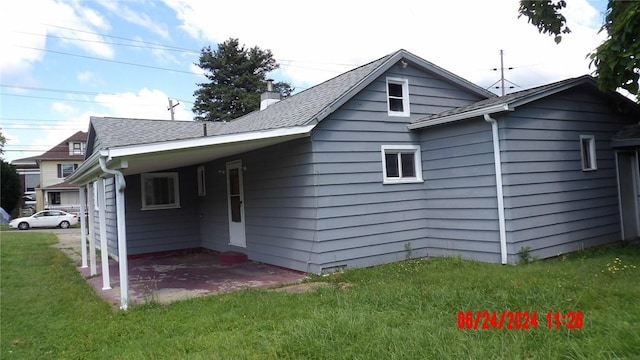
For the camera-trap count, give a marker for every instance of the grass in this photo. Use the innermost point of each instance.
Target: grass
(406, 310)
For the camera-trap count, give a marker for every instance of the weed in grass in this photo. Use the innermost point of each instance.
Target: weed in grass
(409, 250)
(525, 255)
(618, 266)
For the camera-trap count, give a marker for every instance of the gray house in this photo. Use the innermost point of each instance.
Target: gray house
(396, 157)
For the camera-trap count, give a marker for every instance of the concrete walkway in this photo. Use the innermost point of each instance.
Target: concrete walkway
(165, 279)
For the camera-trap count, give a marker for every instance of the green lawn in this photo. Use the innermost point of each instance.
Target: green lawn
(406, 310)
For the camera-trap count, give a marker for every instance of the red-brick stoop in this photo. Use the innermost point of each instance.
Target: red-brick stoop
(233, 257)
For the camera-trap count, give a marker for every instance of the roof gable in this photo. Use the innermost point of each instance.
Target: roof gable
(61, 151)
(305, 108)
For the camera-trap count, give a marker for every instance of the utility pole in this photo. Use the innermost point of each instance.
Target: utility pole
(170, 108)
(502, 79)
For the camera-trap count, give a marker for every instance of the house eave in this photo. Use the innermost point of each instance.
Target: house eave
(134, 159)
(461, 116)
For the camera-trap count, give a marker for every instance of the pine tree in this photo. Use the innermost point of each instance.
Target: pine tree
(237, 77)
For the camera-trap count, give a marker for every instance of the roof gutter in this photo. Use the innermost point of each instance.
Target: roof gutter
(499, 193)
(462, 116)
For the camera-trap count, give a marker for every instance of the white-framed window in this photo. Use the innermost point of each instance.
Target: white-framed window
(78, 148)
(398, 97)
(401, 164)
(65, 170)
(160, 191)
(202, 186)
(588, 152)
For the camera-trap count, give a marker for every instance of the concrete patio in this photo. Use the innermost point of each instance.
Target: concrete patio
(178, 276)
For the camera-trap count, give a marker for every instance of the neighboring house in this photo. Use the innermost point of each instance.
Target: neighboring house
(29, 173)
(395, 158)
(56, 164)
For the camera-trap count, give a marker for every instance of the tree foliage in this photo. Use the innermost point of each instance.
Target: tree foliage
(237, 76)
(3, 141)
(617, 59)
(10, 187)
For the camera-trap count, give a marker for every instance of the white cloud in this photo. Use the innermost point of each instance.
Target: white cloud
(137, 18)
(63, 109)
(464, 37)
(146, 104)
(24, 30)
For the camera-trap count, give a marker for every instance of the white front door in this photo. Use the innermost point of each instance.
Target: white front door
(235, 196)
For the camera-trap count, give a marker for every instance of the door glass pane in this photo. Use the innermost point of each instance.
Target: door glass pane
(234, 182)
(235, 208)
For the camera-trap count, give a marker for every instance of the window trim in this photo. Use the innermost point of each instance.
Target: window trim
(176, 190)
(402, 149)
(590, 157)
(405, 97)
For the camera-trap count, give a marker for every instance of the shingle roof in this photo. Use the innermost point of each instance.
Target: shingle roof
(61, 151)
(121, 132)
(297, 110)
(629, 136)
(304, 108)
(509, 98)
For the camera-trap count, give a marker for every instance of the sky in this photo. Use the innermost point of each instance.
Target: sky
(66, 60)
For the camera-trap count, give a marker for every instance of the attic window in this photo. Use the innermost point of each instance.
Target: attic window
(398, 97)
(588, 151)
(78, 148)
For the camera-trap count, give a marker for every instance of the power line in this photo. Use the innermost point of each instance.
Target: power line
(175, 48)
(78, 92)
(107, 60)
(73, 100)
(162, 47)
(123, 38)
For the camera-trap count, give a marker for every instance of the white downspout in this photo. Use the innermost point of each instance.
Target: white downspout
(83, 225)
(120, 186)
(104, 246)
(498, 166)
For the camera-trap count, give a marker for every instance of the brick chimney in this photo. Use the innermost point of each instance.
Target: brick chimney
(270, 96)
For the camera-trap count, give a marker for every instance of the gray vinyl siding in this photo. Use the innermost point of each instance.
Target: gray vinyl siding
(362, 221)
(151, 231)
(279, 206)
(110, 217)
(460, 191)
(551, 205)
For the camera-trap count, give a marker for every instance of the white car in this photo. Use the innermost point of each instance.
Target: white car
(46, 218)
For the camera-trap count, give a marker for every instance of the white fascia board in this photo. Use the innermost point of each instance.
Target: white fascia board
(204, 141)
(462, 116)
(84, 173)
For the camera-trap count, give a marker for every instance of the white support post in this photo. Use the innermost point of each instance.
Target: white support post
(92, 228)
(104, 250)
(122, 243)
(83, 224)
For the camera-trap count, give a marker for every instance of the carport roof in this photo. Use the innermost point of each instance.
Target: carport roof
(627, 137)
